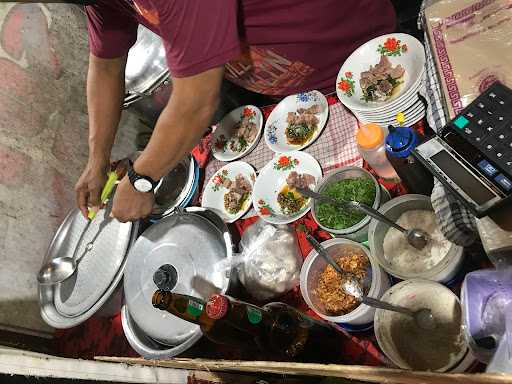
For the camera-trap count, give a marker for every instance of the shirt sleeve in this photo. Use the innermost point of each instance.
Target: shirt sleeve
(198, 35)
(112, 32)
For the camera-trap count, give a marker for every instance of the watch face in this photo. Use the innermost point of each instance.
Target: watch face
(143, 185)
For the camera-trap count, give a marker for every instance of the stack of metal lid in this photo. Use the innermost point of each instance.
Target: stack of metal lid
(102, 247)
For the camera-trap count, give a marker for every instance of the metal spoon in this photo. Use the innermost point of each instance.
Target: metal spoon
(423, 317)
(62, 268)
(416, 237)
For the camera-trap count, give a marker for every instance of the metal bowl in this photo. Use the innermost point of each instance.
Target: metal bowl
(359, 231)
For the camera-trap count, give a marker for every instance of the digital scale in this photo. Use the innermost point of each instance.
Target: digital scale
(472, 155)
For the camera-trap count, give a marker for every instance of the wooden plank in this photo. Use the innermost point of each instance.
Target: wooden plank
(354, 372)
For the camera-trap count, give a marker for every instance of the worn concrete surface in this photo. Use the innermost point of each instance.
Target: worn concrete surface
(43, 142)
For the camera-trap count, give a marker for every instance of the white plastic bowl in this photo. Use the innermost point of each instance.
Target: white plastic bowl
(443, 272)
(415, 294)
(360, 318)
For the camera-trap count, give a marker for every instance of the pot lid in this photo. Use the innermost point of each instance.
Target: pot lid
(175, 187)
(146, 64)
(102, 246)
(182, 253)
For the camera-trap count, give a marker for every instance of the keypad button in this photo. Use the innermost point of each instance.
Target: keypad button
(487, 168)
(504, 182)
(461, 122)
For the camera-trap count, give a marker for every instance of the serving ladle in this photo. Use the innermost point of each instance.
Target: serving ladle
(423, 317)
(416, 237)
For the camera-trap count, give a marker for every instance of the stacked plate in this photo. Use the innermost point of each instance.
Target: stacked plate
(400, 49)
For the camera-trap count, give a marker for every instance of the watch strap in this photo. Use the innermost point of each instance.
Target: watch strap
(134, 176)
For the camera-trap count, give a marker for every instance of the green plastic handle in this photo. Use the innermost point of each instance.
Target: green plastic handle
(105, 193)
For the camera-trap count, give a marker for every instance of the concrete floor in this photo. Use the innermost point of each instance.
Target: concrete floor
(43, 142)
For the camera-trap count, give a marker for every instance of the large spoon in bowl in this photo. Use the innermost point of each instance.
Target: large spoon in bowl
(423, 317)
(416, 237)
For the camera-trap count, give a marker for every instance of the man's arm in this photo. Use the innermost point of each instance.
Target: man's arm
(105, 94)
(182, 123)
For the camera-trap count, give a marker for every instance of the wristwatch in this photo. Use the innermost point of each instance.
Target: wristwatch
(141, 183)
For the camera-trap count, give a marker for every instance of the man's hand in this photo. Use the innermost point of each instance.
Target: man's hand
(89, 186)
(129, 204)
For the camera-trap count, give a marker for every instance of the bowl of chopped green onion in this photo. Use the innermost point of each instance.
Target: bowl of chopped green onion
(348, 184)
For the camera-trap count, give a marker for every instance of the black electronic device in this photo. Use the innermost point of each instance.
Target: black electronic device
(472, 155)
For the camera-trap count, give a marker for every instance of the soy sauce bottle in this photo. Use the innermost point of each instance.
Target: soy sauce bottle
(400, 143)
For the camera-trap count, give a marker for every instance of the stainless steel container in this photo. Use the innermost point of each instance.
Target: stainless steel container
(95, 287)
(188, 252)
(147, 80)
(359, 231)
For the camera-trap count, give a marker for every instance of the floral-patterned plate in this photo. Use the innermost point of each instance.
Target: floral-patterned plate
(225, 147)
(399, 48)
(276, 124)
(213, 195)
(272, 180)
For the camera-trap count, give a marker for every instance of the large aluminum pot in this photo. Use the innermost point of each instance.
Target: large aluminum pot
(188, 252)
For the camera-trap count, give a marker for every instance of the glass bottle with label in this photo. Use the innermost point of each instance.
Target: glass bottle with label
(278, 329)
(193, 310)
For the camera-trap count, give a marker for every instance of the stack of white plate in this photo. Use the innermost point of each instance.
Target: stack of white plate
(400, 49)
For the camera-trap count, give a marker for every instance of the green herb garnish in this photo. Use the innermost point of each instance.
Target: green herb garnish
(361, 190)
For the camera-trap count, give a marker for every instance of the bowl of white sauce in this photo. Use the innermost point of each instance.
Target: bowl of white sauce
(443, 349)
(439, 261)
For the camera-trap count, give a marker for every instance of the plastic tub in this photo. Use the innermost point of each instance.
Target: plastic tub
(359, 231)
(360, 318)
(391, 331)
(443, 272)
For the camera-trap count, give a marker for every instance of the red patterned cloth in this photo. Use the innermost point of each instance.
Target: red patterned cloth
(336, 146)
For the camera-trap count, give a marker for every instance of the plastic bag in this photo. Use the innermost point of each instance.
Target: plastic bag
(471, 42)
(496, 241)
(270, 261)
(502, 359)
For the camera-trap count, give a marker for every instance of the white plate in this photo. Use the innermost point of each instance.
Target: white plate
(412, 59)
(409, 111)
(272, 179)
(225, 126)
(213, 195)
(276, 124)
(393, 110)
(410, 118)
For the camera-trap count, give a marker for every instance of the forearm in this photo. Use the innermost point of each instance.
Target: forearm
(177, 131)
(105, 94)
(182, 123)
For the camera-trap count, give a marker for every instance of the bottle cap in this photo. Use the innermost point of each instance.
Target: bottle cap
(400, 118)
(369, 136)
(401, 141)
(217, 307)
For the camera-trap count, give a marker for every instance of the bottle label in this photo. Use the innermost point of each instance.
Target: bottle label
(254, 315)
(217, 307)
(194, 308)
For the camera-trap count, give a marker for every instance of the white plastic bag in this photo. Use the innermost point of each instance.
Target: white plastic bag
(270, 261)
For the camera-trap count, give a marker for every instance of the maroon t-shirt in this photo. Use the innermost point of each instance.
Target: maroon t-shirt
(274, 47)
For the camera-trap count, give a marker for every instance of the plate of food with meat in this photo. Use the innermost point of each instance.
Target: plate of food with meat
(296, 122)
(275, 197)
(229, 191)
(385, 71)
(238, 133)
